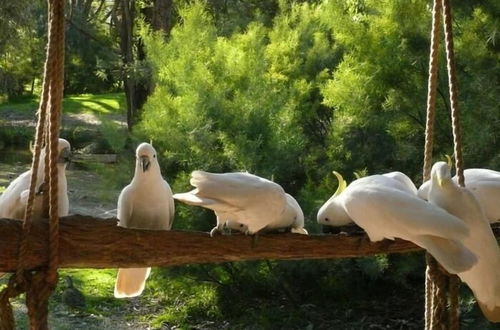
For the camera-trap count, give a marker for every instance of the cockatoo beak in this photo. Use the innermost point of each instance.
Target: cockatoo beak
(64, 156)
(145, 163)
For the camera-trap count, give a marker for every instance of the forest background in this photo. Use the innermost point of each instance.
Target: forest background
(288, 90)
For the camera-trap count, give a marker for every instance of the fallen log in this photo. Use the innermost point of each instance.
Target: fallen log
(87, 242)
(95, 158)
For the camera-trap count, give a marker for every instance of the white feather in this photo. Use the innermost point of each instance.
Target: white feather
(14, 199)
(332, 212)
(484, 277)
(146, 203)
(484, 184)
(385, 210)
(245, 199)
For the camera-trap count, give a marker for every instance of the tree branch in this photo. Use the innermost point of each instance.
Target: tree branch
(87, 242)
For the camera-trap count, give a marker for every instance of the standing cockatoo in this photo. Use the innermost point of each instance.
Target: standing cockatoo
(484, 184)
(385, 209)
(245, 199)
(146, 203)
(484, 277)
(14, 199)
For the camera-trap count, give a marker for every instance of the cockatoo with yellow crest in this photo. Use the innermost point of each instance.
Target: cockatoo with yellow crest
(396, 180)
(385, 207)
(484, 184)
(484, 277)
(244, 199)
(146, 203)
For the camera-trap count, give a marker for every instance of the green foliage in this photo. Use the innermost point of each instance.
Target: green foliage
(322, 86)
(289, 90)
(21, 48)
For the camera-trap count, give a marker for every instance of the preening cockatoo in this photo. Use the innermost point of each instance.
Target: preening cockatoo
(14, 199)
(146, 203)
(244, 199)
(484, 184)
(396, 180)
(484, 277)
(385, 209)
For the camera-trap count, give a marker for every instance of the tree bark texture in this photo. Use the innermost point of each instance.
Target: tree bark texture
(87, 242)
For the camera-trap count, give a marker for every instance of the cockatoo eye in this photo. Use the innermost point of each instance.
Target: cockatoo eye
(241, 225)
(326, 219)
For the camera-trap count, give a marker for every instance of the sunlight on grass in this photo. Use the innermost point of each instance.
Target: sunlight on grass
(86, 103)
(2, 189)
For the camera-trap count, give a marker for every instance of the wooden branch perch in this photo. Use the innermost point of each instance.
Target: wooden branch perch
(98, 243)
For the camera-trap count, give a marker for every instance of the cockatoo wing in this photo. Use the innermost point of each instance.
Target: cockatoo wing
(171, 204)
(406, 183)
(479, 174)
(492, 314)
(242, 197)
(10, 199)
(452, 255)
(488, 195)
(237, 188)
(385, 212)
(423, 190)
(125, 206)
(130, 282)
(383, 208)
(192, 198)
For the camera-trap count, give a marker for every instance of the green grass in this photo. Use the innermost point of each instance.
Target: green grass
(97, 287)
(86, 103)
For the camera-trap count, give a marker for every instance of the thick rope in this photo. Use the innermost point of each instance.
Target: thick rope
(17, 282)
(452, 83)
(457, 144)
(435, 282)
(439, 280)
(454, 303)
(56, 106)
(43, 283)
(39, 286)
(432, 89)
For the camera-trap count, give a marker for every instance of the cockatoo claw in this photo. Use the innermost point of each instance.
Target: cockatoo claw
(254, 240)
(214, 231)
(302, 231)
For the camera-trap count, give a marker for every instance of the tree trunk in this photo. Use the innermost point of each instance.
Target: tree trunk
(137, 89)
(126, 46)
(161, 19)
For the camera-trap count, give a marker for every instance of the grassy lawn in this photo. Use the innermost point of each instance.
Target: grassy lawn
(86, 103)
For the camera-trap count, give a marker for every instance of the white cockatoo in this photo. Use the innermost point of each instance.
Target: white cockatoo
(396, 180)
(484, 184)
(484, 277)
(244, 199)
(146, 203)
(385, 209)
(15, 198)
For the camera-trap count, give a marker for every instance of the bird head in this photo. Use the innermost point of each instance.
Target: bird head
(146, 157)
(441, 174)
(332, 213)
(64, 152)
(235, 225)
